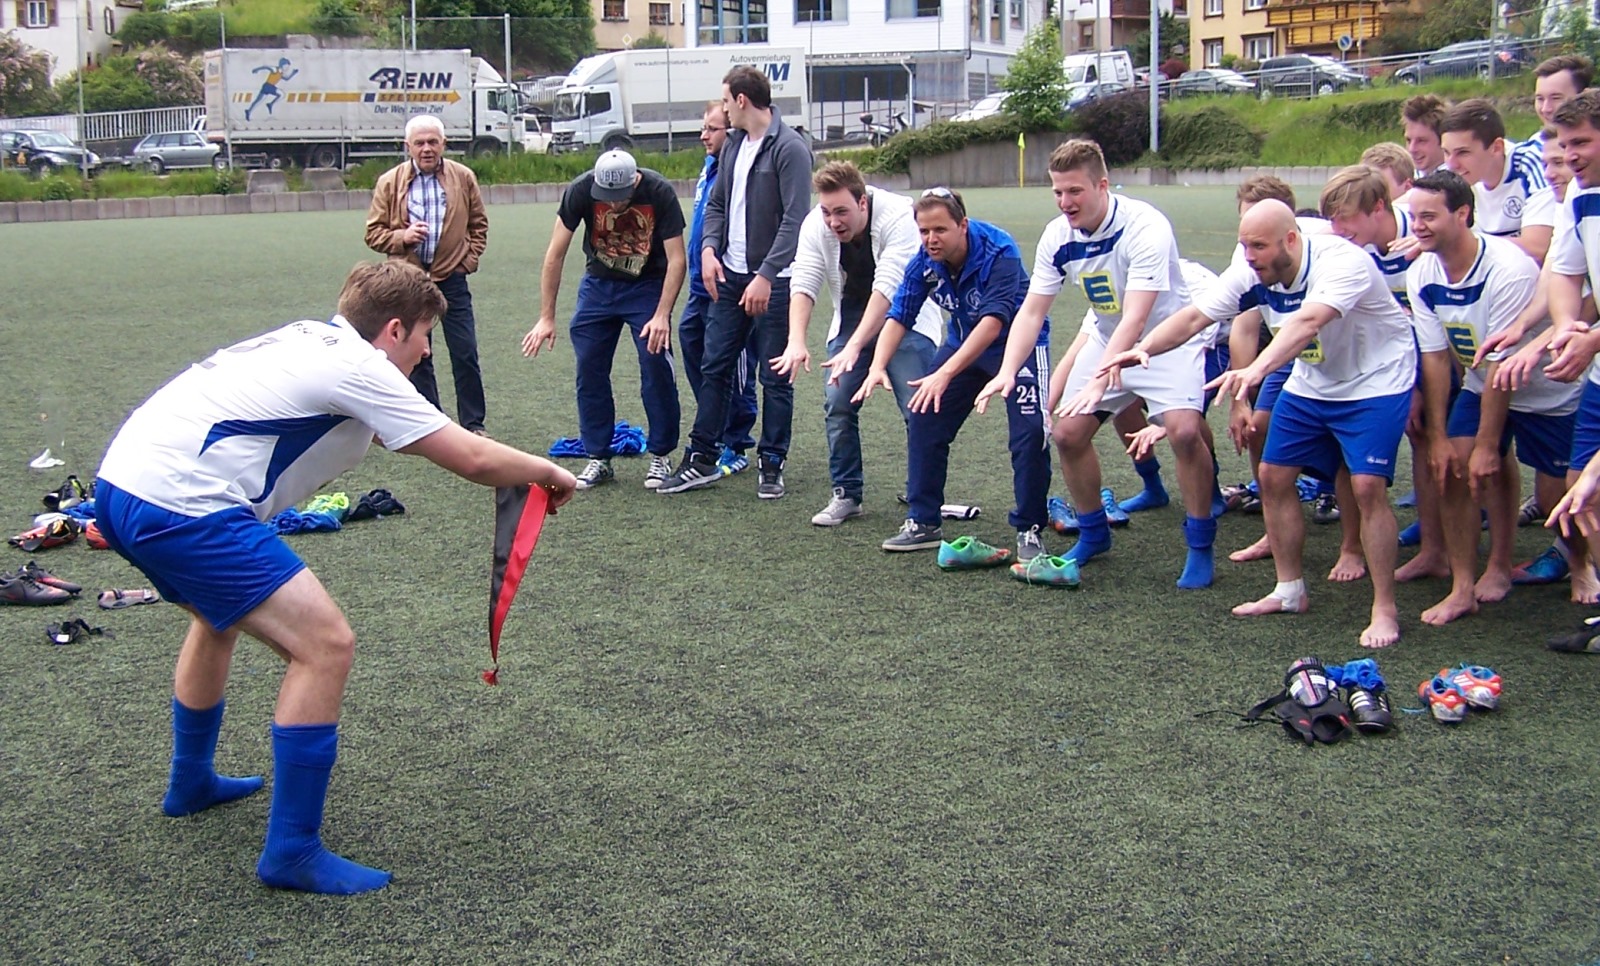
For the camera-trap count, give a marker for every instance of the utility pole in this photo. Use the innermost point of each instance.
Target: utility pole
(1155, 76)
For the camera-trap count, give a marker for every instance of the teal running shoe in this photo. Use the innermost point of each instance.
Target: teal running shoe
(970, 553)
(1047, 570)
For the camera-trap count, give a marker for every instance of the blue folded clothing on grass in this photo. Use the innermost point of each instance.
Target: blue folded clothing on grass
(81, 512)
(296, 521)
(626, 440)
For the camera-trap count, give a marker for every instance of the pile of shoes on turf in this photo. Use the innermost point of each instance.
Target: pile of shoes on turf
(1454, 691)
(1324, 704)
(69, 513)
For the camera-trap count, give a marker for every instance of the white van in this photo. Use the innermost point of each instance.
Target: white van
(1099, 68)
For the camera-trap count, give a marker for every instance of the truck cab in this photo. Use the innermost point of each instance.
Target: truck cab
(588, 115)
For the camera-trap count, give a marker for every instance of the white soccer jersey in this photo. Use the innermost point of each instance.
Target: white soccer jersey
(1394, 267)
(1575, 244)
(1499, 211)
(1541, 208)
(1365, 352)
(1133, 250)
(1488, 298)
(264, 423)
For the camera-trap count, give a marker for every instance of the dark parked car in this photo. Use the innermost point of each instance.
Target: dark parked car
(1305, 75)
(1213, 80)
(44, 152)
(1470, 58)
(1079, 95)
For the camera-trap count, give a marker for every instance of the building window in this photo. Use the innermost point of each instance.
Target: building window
(997, 33)
(661, 14)
(1213, 8)
(111, 22)
(1180, 8)
(1255, 4)
(1016, 15)
(38, 14)
(733, 21)
(1213, 52)
(1258, 48)
(815, 11)
(1086, 35)
(88, 16)
(905, 9)
(613, 10)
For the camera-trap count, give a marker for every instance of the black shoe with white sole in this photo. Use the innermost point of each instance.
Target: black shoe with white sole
(696, 470)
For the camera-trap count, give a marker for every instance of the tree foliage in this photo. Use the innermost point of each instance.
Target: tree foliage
(1173, 33)
(336, 18)
(24, 78)
(153, 77)
(651, 40)
(1433, 25)
(553, 34)
(1036, 81)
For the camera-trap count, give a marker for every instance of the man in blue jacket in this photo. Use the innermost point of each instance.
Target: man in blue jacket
(692, 327)
(752, 229)
(974, 272)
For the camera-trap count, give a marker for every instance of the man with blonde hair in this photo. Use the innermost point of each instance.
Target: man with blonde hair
(1123, 254)
(1394, 162)
(428, 211)
(185, 492)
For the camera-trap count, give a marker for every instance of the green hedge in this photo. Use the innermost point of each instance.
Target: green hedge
(1209, 138)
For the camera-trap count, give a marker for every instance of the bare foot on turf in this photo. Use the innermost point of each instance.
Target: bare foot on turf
(1585, 586)
(1447, 610)
(1260, 550)
(1382, 632)
(1350, 566)
(1493, 586)
(1421, 567)
(1272, 604)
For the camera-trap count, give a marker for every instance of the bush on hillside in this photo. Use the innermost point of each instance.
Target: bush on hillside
(336, 18)
(1375, 118)
(143, 28)
(1208, 138)
(1120, 124)
(944, 137)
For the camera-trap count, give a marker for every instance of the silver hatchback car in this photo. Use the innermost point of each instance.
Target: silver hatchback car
(176, 149)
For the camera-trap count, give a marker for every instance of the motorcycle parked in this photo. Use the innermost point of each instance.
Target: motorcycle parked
(878, 134)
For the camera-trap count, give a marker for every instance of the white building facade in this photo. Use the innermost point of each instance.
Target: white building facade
(73, 32)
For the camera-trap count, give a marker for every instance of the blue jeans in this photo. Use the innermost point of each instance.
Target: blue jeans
(728, 332)
(461, 338)
(605, 308)
(912, 360)
(692, 348)
(929, 435)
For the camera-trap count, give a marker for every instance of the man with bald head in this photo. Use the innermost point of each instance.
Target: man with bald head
(1346, 401)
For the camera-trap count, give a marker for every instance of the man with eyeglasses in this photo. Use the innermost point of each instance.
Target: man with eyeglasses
(692, 326)
(974, 272)
(633, 238)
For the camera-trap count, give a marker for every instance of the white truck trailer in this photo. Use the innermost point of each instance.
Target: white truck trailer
(633, 98)
(322, 108)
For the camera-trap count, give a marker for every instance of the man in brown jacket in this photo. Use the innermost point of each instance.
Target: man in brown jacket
(428, 211)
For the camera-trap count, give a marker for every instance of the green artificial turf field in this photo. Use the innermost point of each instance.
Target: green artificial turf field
(723, 735)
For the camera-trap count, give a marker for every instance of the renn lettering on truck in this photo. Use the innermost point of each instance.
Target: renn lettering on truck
(389, 78)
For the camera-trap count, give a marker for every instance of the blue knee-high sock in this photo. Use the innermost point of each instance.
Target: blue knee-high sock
(194, 784)
(1199, 567)
(303, 757)
(1094, 536)
(1154, 494)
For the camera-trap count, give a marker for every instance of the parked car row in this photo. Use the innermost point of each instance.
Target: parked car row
(1078, 95)
(45, 152)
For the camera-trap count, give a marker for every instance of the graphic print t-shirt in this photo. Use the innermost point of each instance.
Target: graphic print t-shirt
(624, 239)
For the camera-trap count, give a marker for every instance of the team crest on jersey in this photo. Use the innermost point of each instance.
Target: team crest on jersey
(973, 298)
(1513, 207)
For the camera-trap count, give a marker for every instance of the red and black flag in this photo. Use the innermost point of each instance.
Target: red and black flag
(518, 517)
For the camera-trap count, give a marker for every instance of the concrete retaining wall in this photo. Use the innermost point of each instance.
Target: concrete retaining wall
(976, 166)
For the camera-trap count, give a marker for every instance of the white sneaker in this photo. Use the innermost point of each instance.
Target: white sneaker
(596, 473)
(838, 510)
(660, 469)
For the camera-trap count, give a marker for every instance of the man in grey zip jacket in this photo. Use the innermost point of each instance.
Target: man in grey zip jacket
(752, 229)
